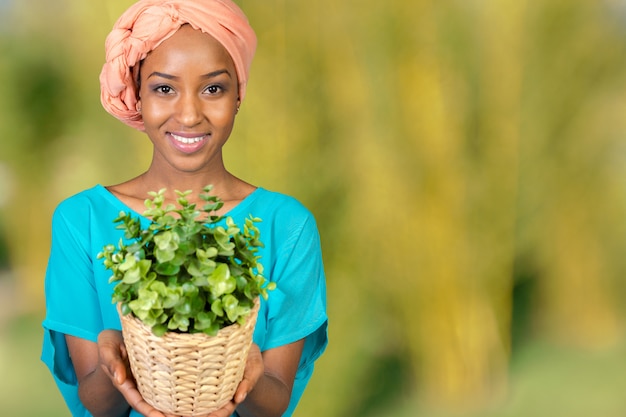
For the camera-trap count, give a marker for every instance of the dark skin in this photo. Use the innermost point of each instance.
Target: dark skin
(189, 99)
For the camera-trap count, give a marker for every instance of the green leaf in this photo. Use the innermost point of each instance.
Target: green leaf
(216, 308)
(167, 268)
(212, 330)
(159, 329)
(201, 268)
(129, 262)
(231, 307)
(205, 320)
(169, 295)
(221, 282)
(206, 253)
(179, 322)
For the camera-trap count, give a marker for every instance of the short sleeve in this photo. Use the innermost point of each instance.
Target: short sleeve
(297, 307)
(70, 301)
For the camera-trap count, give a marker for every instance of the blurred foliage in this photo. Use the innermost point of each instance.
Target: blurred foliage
(464, 160)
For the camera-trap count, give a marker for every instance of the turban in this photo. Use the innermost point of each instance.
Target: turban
(146, 24)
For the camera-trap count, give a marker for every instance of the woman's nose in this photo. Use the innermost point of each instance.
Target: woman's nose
(189, 110)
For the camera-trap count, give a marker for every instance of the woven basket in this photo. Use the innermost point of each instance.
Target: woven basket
(188, 374)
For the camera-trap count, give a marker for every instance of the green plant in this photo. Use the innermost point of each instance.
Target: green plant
(188, 271)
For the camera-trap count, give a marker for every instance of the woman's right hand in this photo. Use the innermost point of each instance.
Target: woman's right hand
(114, 362)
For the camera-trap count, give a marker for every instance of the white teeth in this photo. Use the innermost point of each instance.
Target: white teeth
(187, 140)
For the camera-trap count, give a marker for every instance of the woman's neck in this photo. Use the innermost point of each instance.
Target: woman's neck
(230, 189)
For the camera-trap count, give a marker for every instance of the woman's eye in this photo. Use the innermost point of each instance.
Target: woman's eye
(213, 89)
(164, 89)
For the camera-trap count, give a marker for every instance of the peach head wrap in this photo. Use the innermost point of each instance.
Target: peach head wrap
(146, 24)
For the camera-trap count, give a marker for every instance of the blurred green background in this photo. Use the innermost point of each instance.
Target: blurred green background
(465, 160)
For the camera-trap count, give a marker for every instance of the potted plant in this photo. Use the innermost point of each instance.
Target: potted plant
(188, 288)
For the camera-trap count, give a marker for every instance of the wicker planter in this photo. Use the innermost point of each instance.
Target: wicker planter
(188, 374)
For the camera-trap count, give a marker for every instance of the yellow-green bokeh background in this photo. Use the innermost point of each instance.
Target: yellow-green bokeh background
(465, 160)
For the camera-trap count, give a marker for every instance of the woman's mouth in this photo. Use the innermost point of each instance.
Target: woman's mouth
(188, 143)
(187, 140)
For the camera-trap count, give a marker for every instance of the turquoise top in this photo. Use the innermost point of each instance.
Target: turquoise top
(78, 293)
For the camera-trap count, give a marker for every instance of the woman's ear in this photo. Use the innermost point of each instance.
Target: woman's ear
(237, 104)
(138, 105)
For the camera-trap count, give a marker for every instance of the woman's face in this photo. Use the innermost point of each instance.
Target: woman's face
(188, 98)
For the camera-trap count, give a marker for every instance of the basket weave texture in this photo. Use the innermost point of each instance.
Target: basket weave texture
(188, 374)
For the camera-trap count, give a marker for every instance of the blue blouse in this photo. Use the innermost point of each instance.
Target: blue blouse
(78, 293)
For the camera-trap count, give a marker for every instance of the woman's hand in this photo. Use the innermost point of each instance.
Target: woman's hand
(114, 362)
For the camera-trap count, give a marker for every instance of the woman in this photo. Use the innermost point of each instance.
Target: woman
(177, 70)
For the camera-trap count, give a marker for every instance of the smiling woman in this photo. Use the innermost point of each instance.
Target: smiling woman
(188, 100)
(178, 70)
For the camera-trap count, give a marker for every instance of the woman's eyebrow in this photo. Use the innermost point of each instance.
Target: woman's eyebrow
(163, 75)
(174, 77)
(216, 73)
